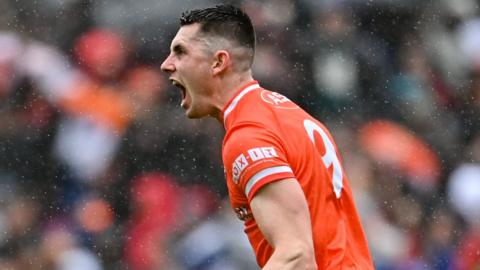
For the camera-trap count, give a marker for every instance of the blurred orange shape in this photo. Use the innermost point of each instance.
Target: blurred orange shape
(394, 145)
(95, 215)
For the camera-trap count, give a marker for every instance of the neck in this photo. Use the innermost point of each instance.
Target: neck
(225, 90)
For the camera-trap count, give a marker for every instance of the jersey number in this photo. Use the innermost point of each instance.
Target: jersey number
(330, 158)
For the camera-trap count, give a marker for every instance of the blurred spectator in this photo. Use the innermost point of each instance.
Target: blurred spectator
(441, 240)
(98, 112)
(464, 186)
(470, 43)
(214, 243)
(103, 54)
(62, 252)
(464, 194)
(468, 253)
(470, 110)
(157, 202)
(335, 66)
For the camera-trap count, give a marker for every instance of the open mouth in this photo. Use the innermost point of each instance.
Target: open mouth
(181, 87)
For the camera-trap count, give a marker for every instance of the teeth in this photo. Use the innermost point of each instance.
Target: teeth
(177, 84)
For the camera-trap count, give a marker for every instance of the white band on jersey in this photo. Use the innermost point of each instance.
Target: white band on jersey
(264, 173)
(237, 99)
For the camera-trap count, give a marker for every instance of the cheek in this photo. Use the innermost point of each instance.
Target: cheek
(200, 64)
(200, 73)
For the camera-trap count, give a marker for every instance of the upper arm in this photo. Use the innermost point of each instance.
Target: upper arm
(281, 212)
(257, 166)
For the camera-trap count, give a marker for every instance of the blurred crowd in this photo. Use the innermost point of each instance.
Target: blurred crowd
(100, 169)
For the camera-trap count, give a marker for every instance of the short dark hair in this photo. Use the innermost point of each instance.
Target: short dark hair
(225, 21)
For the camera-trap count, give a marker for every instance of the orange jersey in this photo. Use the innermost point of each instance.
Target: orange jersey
(269, 138)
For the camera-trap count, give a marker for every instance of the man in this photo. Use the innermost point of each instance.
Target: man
(283, 172)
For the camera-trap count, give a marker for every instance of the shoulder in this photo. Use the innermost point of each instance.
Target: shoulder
(254, 156)
(244, 135)
(249, 143)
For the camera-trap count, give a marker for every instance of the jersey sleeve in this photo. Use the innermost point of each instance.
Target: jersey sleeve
(253, 157)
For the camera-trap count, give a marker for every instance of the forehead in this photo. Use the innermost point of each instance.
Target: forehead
(186, 35)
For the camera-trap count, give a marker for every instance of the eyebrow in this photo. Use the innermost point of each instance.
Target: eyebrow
(178, 48)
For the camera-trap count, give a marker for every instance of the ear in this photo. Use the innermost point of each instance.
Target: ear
(221, 61)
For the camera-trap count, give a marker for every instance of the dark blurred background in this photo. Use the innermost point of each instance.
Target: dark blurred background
(100, 169)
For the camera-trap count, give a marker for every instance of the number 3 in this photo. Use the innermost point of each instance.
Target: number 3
(330, 158)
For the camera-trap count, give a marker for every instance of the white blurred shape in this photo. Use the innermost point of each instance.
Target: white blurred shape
(50, 70)
(462, 8)
(469, 38)
(10, 46)
(464, 191)
(87, 148)
(335, 74)
(78, 259)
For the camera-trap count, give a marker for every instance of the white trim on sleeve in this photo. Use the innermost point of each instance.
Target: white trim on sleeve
(264, 173)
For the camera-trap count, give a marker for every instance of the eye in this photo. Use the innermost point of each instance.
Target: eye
(178, 50)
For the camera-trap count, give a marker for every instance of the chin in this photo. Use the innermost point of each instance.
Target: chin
(192, 114)
(196, 110)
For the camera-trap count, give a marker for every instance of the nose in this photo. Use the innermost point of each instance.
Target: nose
(167, 65)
